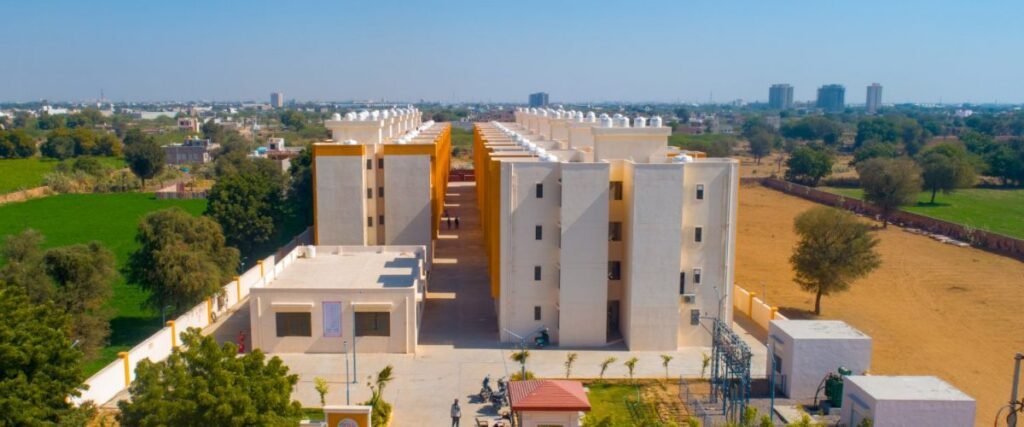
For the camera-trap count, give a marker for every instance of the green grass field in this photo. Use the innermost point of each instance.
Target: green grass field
(995, 210)
(22, 174)
(111, 219)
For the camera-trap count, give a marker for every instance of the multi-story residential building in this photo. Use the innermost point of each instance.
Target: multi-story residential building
(780, 96)
(381, 180)
(539, 99)
(192, 151)
(189, 124)
(276, 100)
(874, 99)
(597, 230)
(831, 98)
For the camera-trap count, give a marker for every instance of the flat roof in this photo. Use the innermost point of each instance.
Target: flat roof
(336, 267)
(882, 387)
(819, 329)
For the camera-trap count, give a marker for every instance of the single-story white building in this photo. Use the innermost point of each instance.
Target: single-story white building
(337, 297)
(548, 403)
(891, 401)
(805, 351)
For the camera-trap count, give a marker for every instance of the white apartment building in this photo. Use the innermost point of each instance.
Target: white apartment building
(596, 229)
(380, 180)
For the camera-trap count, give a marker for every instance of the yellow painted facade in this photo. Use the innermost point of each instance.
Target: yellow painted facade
(488, 191)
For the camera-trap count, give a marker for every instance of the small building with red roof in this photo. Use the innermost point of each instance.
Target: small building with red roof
(548, 402)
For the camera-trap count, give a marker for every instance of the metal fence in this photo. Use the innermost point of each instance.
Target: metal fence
(697, 397)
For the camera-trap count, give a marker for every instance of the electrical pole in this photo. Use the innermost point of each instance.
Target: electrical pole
(347, 382)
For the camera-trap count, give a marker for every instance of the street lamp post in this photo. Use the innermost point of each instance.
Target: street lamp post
(1011, 419)
(347, 383)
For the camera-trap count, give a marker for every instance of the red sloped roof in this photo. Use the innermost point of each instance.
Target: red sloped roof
(548, 395)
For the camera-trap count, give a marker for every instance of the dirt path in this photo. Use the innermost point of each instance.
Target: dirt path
(932, 308)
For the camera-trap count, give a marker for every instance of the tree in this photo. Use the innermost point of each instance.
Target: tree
(181, 259)
(58, 146)
(889, 184)
(322, 387)
(761, 144)
(40, 367)
(24, 266)
(814, 128)
(569, 360)
(665, 359)
(682, 114)
(144, 157)
(604, 366)
(520, 358)
(83, 276)
(704, 363)
(631, 366)
(108, 145)
(381, 408)
(77, 280)
(21, 144)
(873, 149)
(202, 383)
(835, 248)
(808, 165)
(300, 190)
(248, 204)
(946, 167)
(293, 119)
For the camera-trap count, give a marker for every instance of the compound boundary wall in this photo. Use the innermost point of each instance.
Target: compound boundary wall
(981, 239)
(105, 385)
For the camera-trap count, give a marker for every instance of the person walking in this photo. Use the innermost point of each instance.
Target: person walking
(456, 223)
(456, 413)
(449, 222)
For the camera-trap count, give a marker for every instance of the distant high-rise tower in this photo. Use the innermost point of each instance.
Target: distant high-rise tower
(539, 99)
(832, 98)
(276, 99)
(780, 97)
(874, 101)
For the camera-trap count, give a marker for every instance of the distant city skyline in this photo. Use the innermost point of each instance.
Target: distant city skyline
(462, 51)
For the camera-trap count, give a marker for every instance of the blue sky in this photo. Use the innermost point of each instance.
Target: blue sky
(678, 50)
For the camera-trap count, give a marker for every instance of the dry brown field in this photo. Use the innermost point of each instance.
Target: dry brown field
(931, 308)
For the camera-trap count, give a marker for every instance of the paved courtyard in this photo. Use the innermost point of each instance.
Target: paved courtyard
(458, 343)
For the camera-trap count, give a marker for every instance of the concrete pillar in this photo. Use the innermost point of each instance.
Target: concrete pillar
(260, 263)
(127, 368)
(750, 304)
(238, 288)
(174, 333)
(209, 310)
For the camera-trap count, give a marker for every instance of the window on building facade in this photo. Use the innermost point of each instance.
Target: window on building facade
(380, 163)
(614, 270)
(682, 283)
(373, 324)
(615, 231)
(369, 164)
(380, 219)
(615, 190)
(369, 193)
(538, 233)
(540, 190)
(536, 312)
(369, 221)
(698, 234)
(696, 276)
(536, 272)
(700, 191)
(380, 191)
(294, 324)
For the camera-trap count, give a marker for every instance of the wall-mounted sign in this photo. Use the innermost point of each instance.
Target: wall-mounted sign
(332, 319)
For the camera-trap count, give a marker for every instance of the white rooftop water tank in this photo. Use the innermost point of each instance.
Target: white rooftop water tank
(606, 122)
(656, 122)
(336, 116)
(639, 122)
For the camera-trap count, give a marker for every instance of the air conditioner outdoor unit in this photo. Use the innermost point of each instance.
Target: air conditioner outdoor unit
(689, 298)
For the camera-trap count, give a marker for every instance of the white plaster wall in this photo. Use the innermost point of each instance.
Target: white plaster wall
(580, 135)
(640, 145)
(264, 327)
(806, 362)
(583, 295)
(521, 251)
(559, 130)
(340, 195)
(564, 419)
(858, 404)
(407, 197)
(651, 270)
